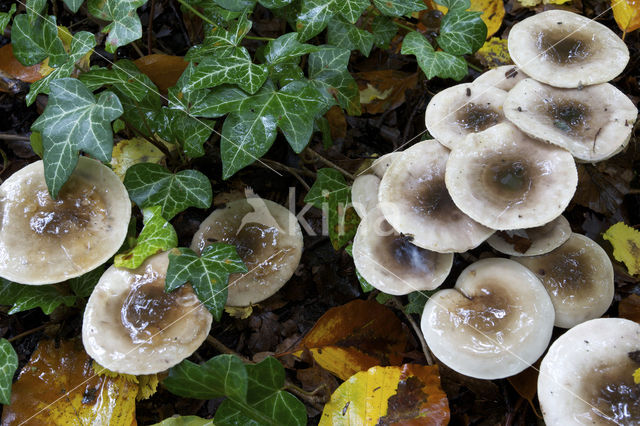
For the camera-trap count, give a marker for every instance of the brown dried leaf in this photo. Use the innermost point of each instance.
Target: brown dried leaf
(384, 90)
(163, 70)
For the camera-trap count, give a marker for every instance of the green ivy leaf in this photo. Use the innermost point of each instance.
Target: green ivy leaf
(286, 72)
(207, 273)
(236, 5)
(42, 85)
(157, 235)
(73, 5)
(347, 36)
(235, 66)
(8, 367)
(74, 120)
(33, 42)
(221, 40)
(383, 30)
(275, 4)
(331, 189)
(315, 14)
(328, 73)
(24, 297)
(142, 115)
(5, 17)
(124, 76)
(399, 7)
(83, 285)
(364, 284)
(248, 135)
(151, 184)
(462, 32)
(455, 4)
(285, 48)
(125, 25)
(417, 300)
(441, 64)
(181, 128)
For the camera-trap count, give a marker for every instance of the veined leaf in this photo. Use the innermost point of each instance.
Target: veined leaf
(328, 73)
(33, 42)
(285, 48)
(455, 4)
(207, 273)
(24, 297)
(181, 128)
(399, 7)
(74, 120)
(347, 36)
(8, 366)
(440, 64)
(315, 14)
(5, 17)
(124, 76)
(462, 32)
(234, 67)
(383, 30)
(223, 375)
(221, 40)
(275, 4)
(83, 285)
(125, 25)
(73, 5)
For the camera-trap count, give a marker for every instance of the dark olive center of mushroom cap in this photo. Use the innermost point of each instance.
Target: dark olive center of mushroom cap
(397, 253)
(486, 311)
(429, 197)
(563, 47)
(476, 118)
(506, 178)
(568, 115)
(612, 394)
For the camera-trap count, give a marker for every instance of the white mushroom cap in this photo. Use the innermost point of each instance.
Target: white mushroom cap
(578, 276)
(267, 237)
(565, 49)
(503, 77)
(463, 109)
(593, 123)
(132, 326)
(532, 241)
(586, 378)
(390, 263)
(364, 193)
(44, 241)
(505, 180)
(380, 166)
(415, 201)
(494, 323)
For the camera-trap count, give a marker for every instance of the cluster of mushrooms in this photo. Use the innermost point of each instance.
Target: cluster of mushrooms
(131, 325)
(501, 168)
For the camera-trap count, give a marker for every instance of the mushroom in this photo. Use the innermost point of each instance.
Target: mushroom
(532, 241)
(494, 323)
(504, 180)
(565, 49)
(463, 109)
(587, 375)
(267, 237)
(593, 123)
(578, 276)
(364, 193)
(132, 326)
(44, 241)
(390, 263)
(503, 77)
(415, 201)
(380, 166)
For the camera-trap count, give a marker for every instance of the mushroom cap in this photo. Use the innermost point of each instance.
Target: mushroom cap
(463, 109)
(415, 201)
(593, 123)
(505, 180)
(390, 263)
(587, 375)
(44, 241)
(565, 49)
(380, 166)
(364, 193)
(532, 241)
(503, 77)
(132, 326)
(267, 237)
(494, 323)
(578, 276)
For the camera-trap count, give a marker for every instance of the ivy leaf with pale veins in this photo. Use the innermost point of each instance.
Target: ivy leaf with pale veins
(73, 5)
(383, 30)
(124, 76)
(285, 48)
(157, 235)
(247, 135)
(441, 64)
(234, 67)
(151, 184)
(462, 32)
(5, 17)
(328, 73)
(455, 4)
(125, 25)
(24, 297)
(347, 36)
(315, 14)
(83, 285)
(207, 273)
(8, 367)
(331, 189)
(399, 7)
(74, 120)
(190, 133)
(221, 40)
(33, 42)
(275, 4)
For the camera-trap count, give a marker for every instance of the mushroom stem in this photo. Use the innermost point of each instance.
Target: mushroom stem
(416, 329)
(330, 163)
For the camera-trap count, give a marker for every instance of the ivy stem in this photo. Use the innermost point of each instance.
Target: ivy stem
(401, 25)
(259, 38)
(416, 329)
(26, 333)
(475, 67)
(330, 163)
(11, 137)
(152, 141)
(196, 12)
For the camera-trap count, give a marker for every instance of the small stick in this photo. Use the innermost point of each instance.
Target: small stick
(12, 137)
(26, 333)
(150, 27)
(330, 164)
(222, 348)
(416, 329)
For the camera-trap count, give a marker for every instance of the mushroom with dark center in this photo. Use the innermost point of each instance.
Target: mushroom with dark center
(503, 77)
(532, 241)
(476, 118)
(562, 47)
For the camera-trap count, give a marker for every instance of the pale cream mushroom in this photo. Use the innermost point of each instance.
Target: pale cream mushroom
(565, 49)
(390, 263)
(364, 193)
(578, 276)
(494, 323)
(463, 109)
(415, 201)
(593, 123)
(267, 237)
(503, 77)
(380, 166)
(505, 180)
(532, 241)
(586, 378)
(132, 326)
(44, 241)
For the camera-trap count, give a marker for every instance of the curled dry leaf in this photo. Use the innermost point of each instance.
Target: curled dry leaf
(526, 384)
(602, 186)
(163, 70)
(355, 337)
(626, 245)
(384, 90)
(11, 68)
(629, 308)
(627, 14)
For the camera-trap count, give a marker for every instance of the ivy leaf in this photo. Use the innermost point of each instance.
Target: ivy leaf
(328, 73)
(24, 297)
(151, 184)
(331, 190)
(462, 32)
(73, 5)
(42, 85)
(248, 135)
(233, 67)
(8, 367)
(33, 42)
(74, 120)
(5, 17)
(144, 114)
(383, 30)
(274, 4)
(181, 128)
(125, 25)
(218, 102)
(417, 300)
(236, 5)
(441, 64)
(157, 235)
(315, 14)
(220, 41)
(286, 72)
(83, 285)
(399, 7)
(455, 4)
(347, 36)
(124, 76)
(207, 273)
(285, 48)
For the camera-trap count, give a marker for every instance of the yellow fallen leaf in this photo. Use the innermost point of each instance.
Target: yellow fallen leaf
(128, 152)
(626, 245)
(636, 377)
(492, 13)
(493, 53)
(240, 312)
(533, 3)
(147, 384)
(627, 14)
(410, 394)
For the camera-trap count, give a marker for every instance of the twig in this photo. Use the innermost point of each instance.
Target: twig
(150, 27)
(401, 25)
(475, 67)
(155, 143)
(26, 333)
(330, 164)
(222, 348)
(291, 170)
(137, 49)
(12, 137)
(416, 329)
